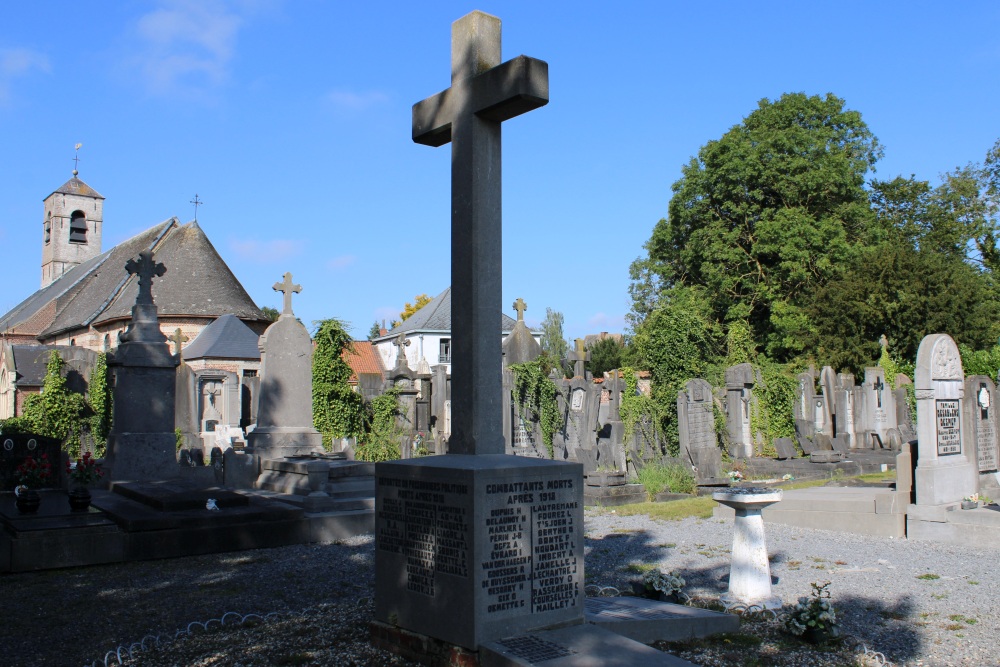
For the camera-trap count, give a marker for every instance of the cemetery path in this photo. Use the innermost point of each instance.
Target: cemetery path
(883, 590)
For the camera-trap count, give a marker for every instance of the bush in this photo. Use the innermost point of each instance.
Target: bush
(673, 477)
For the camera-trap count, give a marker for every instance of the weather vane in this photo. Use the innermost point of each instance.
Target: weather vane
(76, 160)
(197, 202)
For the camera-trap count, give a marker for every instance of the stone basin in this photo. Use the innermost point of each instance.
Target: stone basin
(750, 571)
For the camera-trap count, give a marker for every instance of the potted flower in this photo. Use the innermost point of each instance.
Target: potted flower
(661, 585)
(970, 502)
(84, 472)
(814, 618)
(31, 475)
(734, 476)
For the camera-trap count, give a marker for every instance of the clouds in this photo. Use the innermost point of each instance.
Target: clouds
(352, 101)
(16, 63)
(340, 263)
(266, 252)
(188, 45)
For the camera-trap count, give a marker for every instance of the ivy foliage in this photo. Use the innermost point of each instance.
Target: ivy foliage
(56, 412)
(639, 412)
(380, 440)
(536, 397)
(338, 411)
(100, 399)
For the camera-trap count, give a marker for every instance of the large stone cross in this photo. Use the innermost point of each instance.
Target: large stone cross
(579, 355)
(287, 287)
(146, 268)
(401, 343)
(483, 94)
(520, 306)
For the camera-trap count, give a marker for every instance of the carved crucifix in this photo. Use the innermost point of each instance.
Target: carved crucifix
(401, 344)
(878, 386)
(146, 268)
(177, 339)
(287, 287)
(520, 306)
(483, 94)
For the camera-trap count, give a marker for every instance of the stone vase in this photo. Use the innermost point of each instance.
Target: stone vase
(27, 501)
(79, 499)
(969, 504)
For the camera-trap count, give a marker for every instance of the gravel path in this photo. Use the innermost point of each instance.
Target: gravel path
(72, 617)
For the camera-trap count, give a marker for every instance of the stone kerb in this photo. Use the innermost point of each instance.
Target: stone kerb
(944, 473)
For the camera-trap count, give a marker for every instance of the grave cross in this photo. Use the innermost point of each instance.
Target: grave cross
(287, 287)
(483, 94)
(177, 339)
(579, 355)
(401, 344)
(878, 386)
(146, 268)
(520, 306)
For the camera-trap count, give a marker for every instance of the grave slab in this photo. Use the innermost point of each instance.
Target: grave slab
(575, 646)
(648, 621)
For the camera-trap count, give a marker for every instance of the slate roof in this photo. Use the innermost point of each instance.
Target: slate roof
(225, 338)
(197, 283)
(30, 361)
(436, 316)
(75, 186)
(363, 359)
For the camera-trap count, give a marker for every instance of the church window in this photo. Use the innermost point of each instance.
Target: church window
(78, 227)
(48, 229)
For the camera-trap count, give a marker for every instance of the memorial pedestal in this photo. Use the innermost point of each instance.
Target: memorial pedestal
(750, 573)
(470, 549)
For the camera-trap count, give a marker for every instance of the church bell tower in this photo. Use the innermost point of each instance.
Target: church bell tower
(71, 229)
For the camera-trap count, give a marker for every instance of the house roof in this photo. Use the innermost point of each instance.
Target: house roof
(225, 338)
(436, 316)
(363, 359)
(75, 186)
(31, 361)
(197, 283)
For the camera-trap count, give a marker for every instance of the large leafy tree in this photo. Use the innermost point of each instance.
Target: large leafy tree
(763, 217)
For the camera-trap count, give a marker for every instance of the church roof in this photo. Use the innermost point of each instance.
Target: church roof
(197, 283)
(225, 338)
(75, 186)
(436, 316)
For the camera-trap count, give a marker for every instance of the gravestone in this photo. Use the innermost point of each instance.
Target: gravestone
(945, 472)
(880, 407)
(785, 448)
(476, 545)
(579, 356)
(142, 445)
(981, 421)
(284, 408)
(696, 424)
(828, 385)
(805, 395)
(844, 400)
(904, 417)
(739, 394)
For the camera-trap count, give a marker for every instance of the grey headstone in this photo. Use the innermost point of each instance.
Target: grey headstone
(842, 444)
(739, 394)
(823, 442)
(981, 421)
(696, 425)
(785, 448)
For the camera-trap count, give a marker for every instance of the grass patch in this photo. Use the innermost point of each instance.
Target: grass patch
(639, 568)
(700, 507)
(973, 583)
(656, 478)
(930, 576)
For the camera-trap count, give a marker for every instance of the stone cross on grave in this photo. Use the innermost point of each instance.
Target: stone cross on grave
(483, 94)
(878, 386)
(401, 344)
(146, 268)
(287, 287)
(579, 355)
(520, 306)
(177, 339)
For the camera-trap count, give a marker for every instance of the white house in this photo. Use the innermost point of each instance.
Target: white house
(428, 336)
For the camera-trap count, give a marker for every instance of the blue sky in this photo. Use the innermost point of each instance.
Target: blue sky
(291, 121)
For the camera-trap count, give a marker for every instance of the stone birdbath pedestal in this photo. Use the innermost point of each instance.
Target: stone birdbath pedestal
(750, 572)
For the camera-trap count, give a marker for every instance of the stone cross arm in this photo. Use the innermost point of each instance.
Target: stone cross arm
(520, 306)
(287, 287)
(498, 94)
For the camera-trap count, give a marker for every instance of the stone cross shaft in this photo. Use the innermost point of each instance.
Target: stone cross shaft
(177, 339)
(401, 344)
(146, 268)
(579, 355)
(520, 306)
(287, 287)
(878, 386)
(483, 94)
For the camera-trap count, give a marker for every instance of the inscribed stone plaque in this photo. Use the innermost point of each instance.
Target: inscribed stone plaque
(980, 422)
(949, 430)
(577, 403)
(470, 549)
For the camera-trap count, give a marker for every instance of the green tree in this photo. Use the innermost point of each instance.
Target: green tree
(763, 216)
(606, 354)
(56, 412)
(419, 301)
(375, 331)
(271, 314)
(338, 410)
(554, 345)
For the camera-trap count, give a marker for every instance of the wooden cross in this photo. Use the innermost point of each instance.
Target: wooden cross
(520, 306)
(483, 94)
(287, 287)
(146, 268)
(177, 339)
(579, 355)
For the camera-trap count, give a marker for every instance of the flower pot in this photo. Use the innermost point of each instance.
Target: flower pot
(969, 504)
(27, 501)
(79, 499)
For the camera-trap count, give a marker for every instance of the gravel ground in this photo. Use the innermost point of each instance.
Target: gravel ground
(322, 594)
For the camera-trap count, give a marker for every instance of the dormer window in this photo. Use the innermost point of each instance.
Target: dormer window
(78, 227)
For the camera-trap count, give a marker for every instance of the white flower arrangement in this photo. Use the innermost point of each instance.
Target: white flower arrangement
(814, 613)
(974, 498)
(787, 477)
(666, 583)
(734, 475)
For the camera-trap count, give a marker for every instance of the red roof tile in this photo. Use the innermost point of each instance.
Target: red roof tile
(362, 359)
